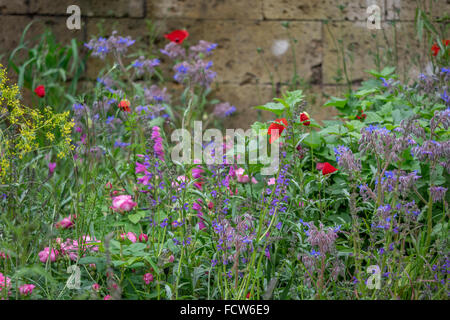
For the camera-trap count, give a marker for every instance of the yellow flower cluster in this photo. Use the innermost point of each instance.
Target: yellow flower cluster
(23, 129)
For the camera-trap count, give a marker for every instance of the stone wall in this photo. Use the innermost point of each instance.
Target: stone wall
(319, 31)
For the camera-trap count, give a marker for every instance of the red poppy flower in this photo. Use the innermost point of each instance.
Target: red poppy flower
(276, 126)
(124, 105)
(40, 91)
(248, 295)
(303, 117)
(177, 36)
(326, 168)
(435, 48)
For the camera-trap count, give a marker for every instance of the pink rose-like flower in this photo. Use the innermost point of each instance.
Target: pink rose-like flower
(45, 254)
(107, 297)
(143, 237)
(171, 258)
(130, 236)
(271, 181)
(148, 277)
(96, 287)
(123, 203)
(26, 289)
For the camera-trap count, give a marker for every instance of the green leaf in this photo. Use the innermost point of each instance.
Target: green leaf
(336, 102)
(313, 140)
(135, 218)
(154, 266)
(277, 108)
(373, 117)
(365, 92)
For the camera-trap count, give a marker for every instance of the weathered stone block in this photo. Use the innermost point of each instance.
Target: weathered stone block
(406, 9)
(361, 46)
(10, 36)
(13, 7)
(236, 59)
(205, 9)
(319, 10)
(98, 8)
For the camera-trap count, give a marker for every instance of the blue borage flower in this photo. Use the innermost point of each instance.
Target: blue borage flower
(119, 144)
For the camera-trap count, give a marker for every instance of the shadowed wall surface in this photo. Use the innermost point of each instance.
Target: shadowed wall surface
(319, 31)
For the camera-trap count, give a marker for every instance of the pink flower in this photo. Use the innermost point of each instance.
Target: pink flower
(108, 185)
(130, 236)
(65, 223)
(45, 254)
(143, 237)
(107, 297)
(157, 147)
(90, 243)
(243, 178)
(123, 203)
(96, 287)
(171, 258)
(51, 167)
(271, 181)
(180, 179)
(201, 225)
(5, 283)
(26, 289)
(140, 168)
(148, 277)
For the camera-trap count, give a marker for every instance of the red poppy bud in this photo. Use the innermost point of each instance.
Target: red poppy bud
(124, 105)
(40, 91)
(303, 117)
(177, 36)
(276, 126)
(358, 117)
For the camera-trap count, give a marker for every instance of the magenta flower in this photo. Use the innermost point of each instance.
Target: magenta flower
(107, 297)
(5, 283)
(130, 236)
(46, 254)
(96, 287)
(51, 167)
(123, 203)
(65, 223)
(244, 178)
(143, 237)
(157, 147)
(148, 277)
(178, 182)
(26, 289)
